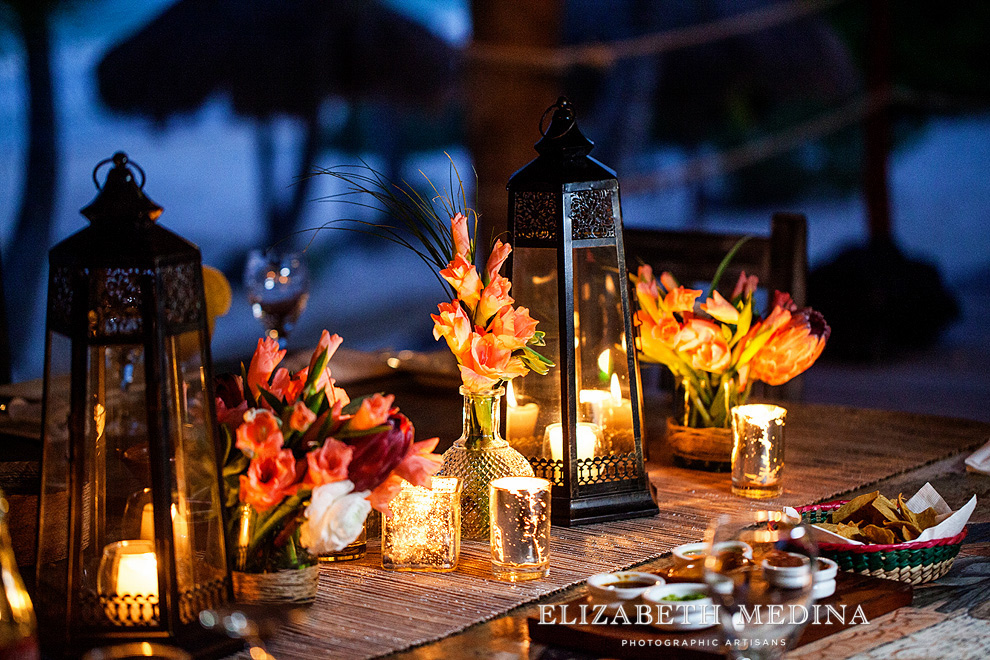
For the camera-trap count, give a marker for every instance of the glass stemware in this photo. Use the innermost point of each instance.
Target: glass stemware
(277, 285)
(759, 566)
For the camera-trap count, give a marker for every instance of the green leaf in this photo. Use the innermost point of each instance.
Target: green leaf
(348, 433)
(248, 394)
(236, 466)
(725, 263)
(278, 404)
(538, 339)
(314, 374)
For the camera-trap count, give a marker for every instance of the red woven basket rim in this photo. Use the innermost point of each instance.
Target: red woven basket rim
(878, 547)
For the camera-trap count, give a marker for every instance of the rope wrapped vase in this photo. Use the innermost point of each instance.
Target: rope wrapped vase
(288, 586)
(700, 448)
(915, 562)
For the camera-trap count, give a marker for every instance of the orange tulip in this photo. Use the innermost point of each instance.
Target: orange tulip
(791, 349)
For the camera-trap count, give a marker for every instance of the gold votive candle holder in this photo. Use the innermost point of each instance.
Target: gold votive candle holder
(424, 532)
(520, 528)
(757, 450)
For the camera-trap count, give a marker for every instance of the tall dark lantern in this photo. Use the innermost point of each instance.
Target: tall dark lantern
(130, 529)
(581, 426)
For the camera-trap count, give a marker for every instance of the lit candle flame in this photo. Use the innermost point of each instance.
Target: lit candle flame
(616, 390)
(605, 362)
(510, 395)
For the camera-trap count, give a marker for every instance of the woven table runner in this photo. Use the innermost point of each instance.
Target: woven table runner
(364, 611)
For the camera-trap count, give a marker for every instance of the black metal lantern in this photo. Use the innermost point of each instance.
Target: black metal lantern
(130, 529)
(581, 426)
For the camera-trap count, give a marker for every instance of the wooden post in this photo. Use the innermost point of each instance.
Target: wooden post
(877, 124)
(505, 102)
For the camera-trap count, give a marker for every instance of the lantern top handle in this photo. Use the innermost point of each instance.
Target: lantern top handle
(119, 160)
(562, 138)
(121, 198)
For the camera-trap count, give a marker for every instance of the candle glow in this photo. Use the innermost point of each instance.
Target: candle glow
(588, 437)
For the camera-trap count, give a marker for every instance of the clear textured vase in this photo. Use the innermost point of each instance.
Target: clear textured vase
(699, 433)
(479, 456)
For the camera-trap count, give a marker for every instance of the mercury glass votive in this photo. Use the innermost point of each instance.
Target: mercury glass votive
(424, 532)
(757, 450)
(520, 528)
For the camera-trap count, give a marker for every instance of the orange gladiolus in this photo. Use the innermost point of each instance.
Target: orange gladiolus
(453, 325)
(487, 362)
(500, 252)
(494, 297)
(301, 417)
(266, 357)
(464, 278)
(720, 309)
(269, 479)
(513, 328)
(680, 299)
(792, 349)
(374, 411)
(259, 434)
(328, 463)
(462, 239)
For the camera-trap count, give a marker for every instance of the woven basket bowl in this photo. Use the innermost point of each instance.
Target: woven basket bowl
(915, 562)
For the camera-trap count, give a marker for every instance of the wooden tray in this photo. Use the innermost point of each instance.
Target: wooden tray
(876, 596)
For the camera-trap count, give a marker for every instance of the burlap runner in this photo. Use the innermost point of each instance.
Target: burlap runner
(363, 611)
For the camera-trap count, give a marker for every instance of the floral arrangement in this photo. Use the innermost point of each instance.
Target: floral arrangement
(719, 348)
(492, 341)
(304, 464)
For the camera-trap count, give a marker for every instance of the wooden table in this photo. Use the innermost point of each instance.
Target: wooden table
(853, 447)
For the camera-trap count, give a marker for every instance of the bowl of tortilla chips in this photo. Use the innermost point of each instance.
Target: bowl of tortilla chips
(882, 535)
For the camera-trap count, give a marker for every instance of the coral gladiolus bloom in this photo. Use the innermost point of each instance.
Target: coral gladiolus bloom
(487, 362)
(374, 411)
(453, 325)
(259, 434)
(420, 463)
(384, 493)
(720, 309)
(745, 286)
(266, 357)
(513, 328)
(269, 478)
(680, 299)
(500, 252)
(301, 417)
(792, 349)
(464, 278)
(494, 297)
(462, 239)
(328, 463)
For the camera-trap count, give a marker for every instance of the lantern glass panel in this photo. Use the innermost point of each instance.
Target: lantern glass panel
(534, 403)
(115, 586)
(196, 524)
(54, 501)
(602, 362)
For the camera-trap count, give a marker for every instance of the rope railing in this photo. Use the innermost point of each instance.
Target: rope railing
(758, 149)
(606, 54)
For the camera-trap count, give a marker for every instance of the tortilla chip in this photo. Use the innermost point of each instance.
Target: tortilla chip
(906, 513)
(908, 531)
(885, 510)
(852, 507)
(926, 518)
(880, 535)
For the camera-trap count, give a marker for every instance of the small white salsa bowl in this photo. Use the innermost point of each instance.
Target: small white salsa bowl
(694, 614)
(621, 585)
(692, 552)
(788, 577)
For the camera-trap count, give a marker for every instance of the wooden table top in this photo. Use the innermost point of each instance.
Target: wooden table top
(835, 450)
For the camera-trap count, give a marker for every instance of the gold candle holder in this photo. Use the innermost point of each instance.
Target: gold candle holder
(520, 528)
(128, 583)
(424, 532)
(757, 450)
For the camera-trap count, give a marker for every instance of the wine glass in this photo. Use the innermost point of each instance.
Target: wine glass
(277, 287)
(759, 566)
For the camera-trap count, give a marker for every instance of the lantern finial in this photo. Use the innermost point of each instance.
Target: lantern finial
(563, 138)
(121, 199)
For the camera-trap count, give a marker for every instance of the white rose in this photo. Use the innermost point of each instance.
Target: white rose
(335, 517)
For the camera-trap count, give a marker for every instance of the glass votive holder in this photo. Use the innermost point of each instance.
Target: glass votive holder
(520, 528)
(424, 532)
(757, 450)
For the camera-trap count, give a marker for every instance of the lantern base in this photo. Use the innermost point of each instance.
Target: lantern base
(198, 642)
(601, 508)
